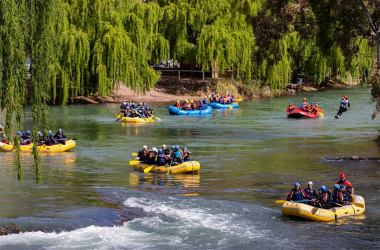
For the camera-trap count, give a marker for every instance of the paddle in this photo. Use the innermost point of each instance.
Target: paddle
(146, 170)
(170, 165)
(118, 119)
(321, 114)
(134, 162)
(238, 99)
(135, 154)
(320, 110)
(284, 201)
(158, 119)
(230, 107)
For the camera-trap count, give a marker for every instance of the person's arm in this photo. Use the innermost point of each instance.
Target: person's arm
(289, 198)
(348, 102)
(352, 191)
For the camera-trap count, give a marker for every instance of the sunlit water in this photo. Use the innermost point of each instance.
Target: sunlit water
(91, 198)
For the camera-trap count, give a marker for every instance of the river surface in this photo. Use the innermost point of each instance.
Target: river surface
(92, 199)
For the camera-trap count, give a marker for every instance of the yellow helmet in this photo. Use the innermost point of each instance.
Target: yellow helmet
(177, 100)
(186, 101)
(191, 101)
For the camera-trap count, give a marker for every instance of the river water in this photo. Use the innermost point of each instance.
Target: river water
(92, 199)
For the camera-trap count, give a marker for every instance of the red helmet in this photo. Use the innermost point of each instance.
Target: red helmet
(345, 97)
(233, 96)
(343, 175)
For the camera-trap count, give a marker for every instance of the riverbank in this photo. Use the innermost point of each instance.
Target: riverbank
(170, 90)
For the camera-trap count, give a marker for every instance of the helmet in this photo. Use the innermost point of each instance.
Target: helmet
(299, 106)
(323, 189)
(297, 185)
(144, 102)
(124, 103)
(316, 103)
(177, 147)
(309, 183)
(200, 100)
(343, 186)
(38, 133)
(342, 175)
(304, 98)
(228, 95)
(160, 151)
(337, 186)
(345, 97)
(150, 108)
(233, 95)
(312, 103)
(50, 133)
(1, 127)
(178, 101)
(184, 148)
(291, 103)
(18, 132)
(59, 130)
(145, 146)
(186, 101)
(224, 96)
(173, 147)
(213, 94)
(164, 145)
(154, 149)
(191, 101)
(303, 105)
(28, 132)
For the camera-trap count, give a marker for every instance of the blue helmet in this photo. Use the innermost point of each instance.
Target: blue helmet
(228, 95)
(39, 133)
(213, 94)
(323, 189)
(150, 108)
(343, 186)
(160, 151)
(60, 130)
(144, 102)
(297, 185)
(303, 105)
(316, 103)
(18, 132)
(337, 186)
(291, 103)
(177, 147)
(299, 106)
(173, 147)
(28, 132)
(184, 148)
(50, 133)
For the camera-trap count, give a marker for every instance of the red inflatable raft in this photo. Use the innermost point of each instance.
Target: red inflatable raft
(302, 114)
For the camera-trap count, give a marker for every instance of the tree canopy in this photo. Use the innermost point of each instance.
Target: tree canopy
(93, 46)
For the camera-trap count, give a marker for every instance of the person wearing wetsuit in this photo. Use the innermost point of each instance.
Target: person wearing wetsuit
(297, 194)
(344, 105)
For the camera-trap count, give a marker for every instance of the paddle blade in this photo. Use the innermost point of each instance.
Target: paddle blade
(230, 107)
(320, 110)
(158, 119)
(239, 99)
(322, 115)
(147, 170)
(280, 201)
(134, 162)
(135, 154)
(118, 119)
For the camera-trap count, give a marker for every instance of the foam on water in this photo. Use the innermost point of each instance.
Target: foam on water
(172, 223)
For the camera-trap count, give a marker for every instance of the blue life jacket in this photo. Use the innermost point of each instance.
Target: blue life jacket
(310, 192)
(186, 157)
(297, 195)
(161, 158)
(205, 101)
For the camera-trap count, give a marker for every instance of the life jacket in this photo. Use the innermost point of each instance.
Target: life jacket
(310, 192)
(142, 155)
(338, 197)
(186, 157)
(151, 157)
(201, 106)
(344, 103)
(184, 105)
(205, 101)
(161, 158)
(297, 195)
(221, 100)
(232, 99)
(177, 105)
(193, 106)
(347, 195)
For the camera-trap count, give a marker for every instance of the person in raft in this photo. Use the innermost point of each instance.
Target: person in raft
(297, 194)
(143, 153)
(304, 102)
(324, 199)
(60, 136)
(161, 158)
(337, 196)
(290, 108)
(310, 191)
(346, 195)
(3, 138)
(178, 104)
(346, 183)
(344, 105)
(186, 155)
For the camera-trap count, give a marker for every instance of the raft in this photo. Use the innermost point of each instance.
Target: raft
(356, 207)
(217, 105)
(177, 111)
(136, 120)
(301, 114)
(186, 167)
(58, 148)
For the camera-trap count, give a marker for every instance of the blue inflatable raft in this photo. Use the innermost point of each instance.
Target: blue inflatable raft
(216, 105)
(177, 111)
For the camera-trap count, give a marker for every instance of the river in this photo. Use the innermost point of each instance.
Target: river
(92, 199)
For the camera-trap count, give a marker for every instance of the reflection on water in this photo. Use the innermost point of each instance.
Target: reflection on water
(182, 183)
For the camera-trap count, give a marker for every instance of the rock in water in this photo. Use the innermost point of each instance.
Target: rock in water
(11, 229)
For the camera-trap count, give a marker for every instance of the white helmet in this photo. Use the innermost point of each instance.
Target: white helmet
(145, 146)
(154, 149)
(1, 127)
(309, 183)
(164, 145)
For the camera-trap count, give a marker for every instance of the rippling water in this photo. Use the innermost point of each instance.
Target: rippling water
(91, 198)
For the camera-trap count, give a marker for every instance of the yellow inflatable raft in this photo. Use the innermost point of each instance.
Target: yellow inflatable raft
(186, 167)
(357, 207)
(135, 119)
(69, 144)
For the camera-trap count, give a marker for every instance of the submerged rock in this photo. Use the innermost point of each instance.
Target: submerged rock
(11, 229)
